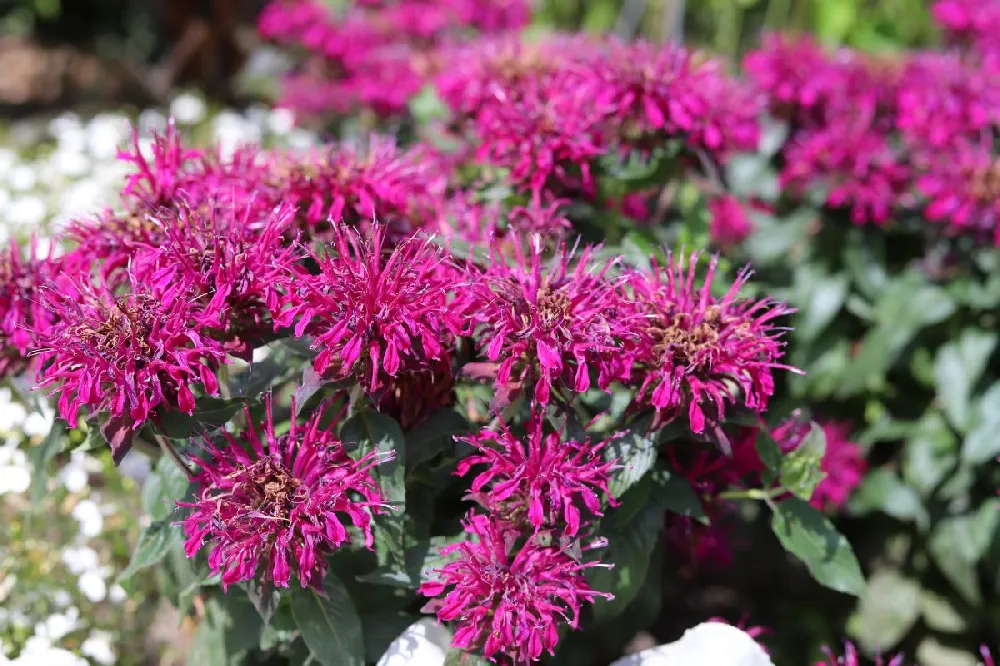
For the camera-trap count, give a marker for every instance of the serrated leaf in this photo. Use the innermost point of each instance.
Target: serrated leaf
(330, 625)
(209, 414)
(800, 469)
(806, 533)
(153, 545)
(307, 388)
(635, 452)
(433, 436)
(983, 441)
(42, 455)
(958, 367)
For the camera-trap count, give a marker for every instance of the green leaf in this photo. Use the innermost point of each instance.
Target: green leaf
(770, 455)
(421, 558)
(307, 388)
(433, 436)
(883, 491)
(676, 495)
(329, 624)
(820, 299)
(459, 657)
(800, 469)
(154, 544)
(958, 367)
(983, 441)
(381, 628)
(806, 533)
(163, 488)
(940, 613)
(635, 452)
(264, 597)
(930, 454)
(42, 455)
(240, 622)
(209, 646)
(373, 431)
(209, 414)
(889, 607)
(958, 543)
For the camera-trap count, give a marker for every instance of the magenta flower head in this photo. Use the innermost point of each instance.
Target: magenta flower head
(729, 223)
(231, 263)
(374, 315)
(280, 500)
(540, 477)
(697, 350)
(124, 354)
(22, 314)
(508, 601)
(961, 186)
(795, 72)
(550, 323)
(843, 464)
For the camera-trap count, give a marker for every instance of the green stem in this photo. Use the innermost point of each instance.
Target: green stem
(167, 446)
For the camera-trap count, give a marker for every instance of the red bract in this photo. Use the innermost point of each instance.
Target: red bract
(124, 354)
(697, 350)
(374, 317)
(230, 264)
(507, 600)
(22, 314)
(281, 501)
(540, 477)
(550, 323)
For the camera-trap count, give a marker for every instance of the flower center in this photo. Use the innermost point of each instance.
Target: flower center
(678, 342)
(128, 323)
(274, 489)
(553, 307)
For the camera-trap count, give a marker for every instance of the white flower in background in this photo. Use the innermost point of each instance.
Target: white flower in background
(424, 643)
(79, 559)
(26, 211)
(71, 163)
(8, 158)
(105, 134)
(188, 109)
(152, 120)
(12, 414)
(57, 625)
(62, 598)
(88, 515)
(231, 131)
(93, 586)
(22, 177)
(281, 121)
(15, 473)
(40, 652)
(117, 594)
(98, 647)
(74, 474)
(708, 644)
(38, 424)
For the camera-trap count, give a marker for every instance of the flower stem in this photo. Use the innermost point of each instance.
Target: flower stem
(171, 451)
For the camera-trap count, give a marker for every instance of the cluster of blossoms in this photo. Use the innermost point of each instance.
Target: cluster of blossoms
(208, 259)
(883, 137)
(376, 54)
(852, 658)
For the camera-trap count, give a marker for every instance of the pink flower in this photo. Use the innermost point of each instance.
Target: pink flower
(505, 599)
(843, 464)
(976, 22)
(374, 315)
(124, 354)
(283, 501)
(231, 264)
(23, 316)
(700, 547)
(729, 224)
(538, 477)
(961, 185)
(697, 350)
(793, 71)
(550, 323)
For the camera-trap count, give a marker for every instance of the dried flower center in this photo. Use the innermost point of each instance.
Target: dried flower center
(128, 323)
(273, 489)
(553, 307)
(984, 184)
(678, 342)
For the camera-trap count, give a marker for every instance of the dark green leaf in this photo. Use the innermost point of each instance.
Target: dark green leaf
(770, 454)
(310, 384)
(209, 414)
(800, 469)
(433, 436)
(459, 657)
(930, 454)
(154, 544)
(330, 626)
(806, 533)
(983, 441)
(165, 485)
(820, 298)
(264, 598)
(958, 367)
(676, 495)
(889, 607)
(421, 559)
(42, 455)
(381, 628)
(373, 431)
(209, 646)
(240, 622)
(635, 452)
(957, 544)
(883, 491)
